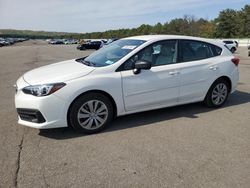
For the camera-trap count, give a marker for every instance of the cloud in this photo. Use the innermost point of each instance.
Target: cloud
(95, 15)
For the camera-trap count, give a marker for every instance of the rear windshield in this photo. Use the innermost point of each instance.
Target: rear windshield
(228, 42)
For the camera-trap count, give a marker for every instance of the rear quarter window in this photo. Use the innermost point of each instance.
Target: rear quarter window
(215, 50)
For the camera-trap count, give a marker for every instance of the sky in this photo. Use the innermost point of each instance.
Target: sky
(82, 16)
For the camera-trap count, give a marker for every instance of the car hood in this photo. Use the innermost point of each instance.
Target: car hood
(57, 72)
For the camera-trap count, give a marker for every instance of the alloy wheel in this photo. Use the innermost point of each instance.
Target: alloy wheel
(92, 114)
(219, 94)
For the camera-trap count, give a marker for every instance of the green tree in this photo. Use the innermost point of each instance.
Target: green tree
(157, 29)
(206, 29)
(178, 26)
(227, 24)
(245, 21)
(144, 29)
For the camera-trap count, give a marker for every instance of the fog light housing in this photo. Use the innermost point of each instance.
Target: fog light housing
(30, 115)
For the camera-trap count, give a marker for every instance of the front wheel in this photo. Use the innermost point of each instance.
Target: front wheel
(217, 94)
(91, 113)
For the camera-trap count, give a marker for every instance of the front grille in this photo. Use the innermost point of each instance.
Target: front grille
(31, 115)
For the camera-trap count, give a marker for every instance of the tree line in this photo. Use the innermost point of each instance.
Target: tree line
(230, 23)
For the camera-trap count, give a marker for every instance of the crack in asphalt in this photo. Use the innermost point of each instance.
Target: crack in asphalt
(20, 147)
(45, 181)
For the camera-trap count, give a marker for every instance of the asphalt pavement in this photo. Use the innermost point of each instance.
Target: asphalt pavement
(184, 146)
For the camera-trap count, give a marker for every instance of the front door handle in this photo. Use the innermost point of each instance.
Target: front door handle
(174, 72)
(213, 68)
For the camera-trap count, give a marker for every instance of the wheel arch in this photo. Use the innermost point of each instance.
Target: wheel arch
(94, 91)
(233, 48)
(226, 78)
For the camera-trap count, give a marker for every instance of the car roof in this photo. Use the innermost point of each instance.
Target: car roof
(166, 37)
(153, 37)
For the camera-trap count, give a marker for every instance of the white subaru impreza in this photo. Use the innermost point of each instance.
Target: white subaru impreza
(129, 75)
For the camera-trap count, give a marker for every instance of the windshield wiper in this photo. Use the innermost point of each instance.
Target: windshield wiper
(88, 63)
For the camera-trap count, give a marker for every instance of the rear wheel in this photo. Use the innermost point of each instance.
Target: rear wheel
(233, 49)
(217, 94)
(91, 113)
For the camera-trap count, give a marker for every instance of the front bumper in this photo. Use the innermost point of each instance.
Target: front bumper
(40, 112)
(30, 115)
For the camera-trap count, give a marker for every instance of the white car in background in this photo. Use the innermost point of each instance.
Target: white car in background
(231, 45)
(70, 41)
(129, 75)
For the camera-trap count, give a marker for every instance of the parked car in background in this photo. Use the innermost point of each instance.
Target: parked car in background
(56, 41)
(109, 41)
(70, 41)
(237, 44)
(130, 75)
(90, 45)
(3, 42)
(10, 41)
(231, 45)
(248, 50)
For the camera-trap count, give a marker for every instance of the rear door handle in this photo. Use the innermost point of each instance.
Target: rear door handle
(174, 72)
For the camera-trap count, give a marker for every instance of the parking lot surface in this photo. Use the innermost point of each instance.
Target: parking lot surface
(185, 146)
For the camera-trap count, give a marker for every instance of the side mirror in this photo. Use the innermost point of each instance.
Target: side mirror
(139, 65)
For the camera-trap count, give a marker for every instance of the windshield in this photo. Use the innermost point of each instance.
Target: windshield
(111, 53)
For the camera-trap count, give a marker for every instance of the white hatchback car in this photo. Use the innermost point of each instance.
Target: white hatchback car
(231, 45)
(130, 75)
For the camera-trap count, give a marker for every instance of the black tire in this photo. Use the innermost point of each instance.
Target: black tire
(80, 103)
(233, 49)
(208, 101)
(83, 48)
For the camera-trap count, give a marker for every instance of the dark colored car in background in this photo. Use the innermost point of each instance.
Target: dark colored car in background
(56, 41)
(248, 50)
(237, 44)
(90, 45)
(10, 41)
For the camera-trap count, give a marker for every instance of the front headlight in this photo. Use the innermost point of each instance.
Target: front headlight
(43, 90)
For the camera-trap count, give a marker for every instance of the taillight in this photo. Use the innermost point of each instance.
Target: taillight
(235, 61)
